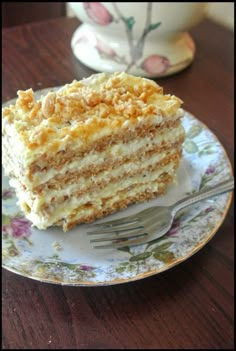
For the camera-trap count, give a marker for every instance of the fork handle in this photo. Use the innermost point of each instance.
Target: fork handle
(204, 194)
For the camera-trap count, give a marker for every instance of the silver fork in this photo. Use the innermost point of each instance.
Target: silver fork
(151, 223)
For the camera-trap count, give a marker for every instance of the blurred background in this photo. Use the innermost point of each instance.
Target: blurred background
(220, 12)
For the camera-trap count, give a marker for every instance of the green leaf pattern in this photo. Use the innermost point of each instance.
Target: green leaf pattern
(159, 252)
(153, 26)
(130, 21)
(194, 146)
(194, 131)
(190, 146)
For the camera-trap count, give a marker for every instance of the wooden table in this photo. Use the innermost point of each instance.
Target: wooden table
(189, 306)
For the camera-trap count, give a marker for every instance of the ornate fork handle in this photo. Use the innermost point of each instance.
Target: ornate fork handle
(202, 195)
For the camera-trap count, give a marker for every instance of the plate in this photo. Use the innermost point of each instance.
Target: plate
(53, 256)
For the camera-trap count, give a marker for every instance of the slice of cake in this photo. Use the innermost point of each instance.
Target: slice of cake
(91, 148)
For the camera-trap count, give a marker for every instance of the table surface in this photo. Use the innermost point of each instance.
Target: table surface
(189, 306)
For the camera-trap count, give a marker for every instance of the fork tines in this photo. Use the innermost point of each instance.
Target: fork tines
(122, 233)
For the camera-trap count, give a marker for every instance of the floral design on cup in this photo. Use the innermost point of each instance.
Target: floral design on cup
(136, 47)
(98, 13)
(136, 57)
(105, 49)
(156, 64)
(82, 40)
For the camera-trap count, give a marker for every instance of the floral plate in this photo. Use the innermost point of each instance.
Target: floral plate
(69, 259)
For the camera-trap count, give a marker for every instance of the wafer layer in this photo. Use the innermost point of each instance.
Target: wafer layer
(91, 148)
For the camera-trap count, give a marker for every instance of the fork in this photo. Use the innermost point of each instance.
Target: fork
(151, 223)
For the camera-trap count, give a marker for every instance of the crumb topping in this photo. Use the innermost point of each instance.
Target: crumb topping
(82, 108)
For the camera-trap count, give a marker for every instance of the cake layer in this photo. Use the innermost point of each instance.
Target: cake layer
(50, 215)
(91, 148)
(158, 138)
(85, 185)
(107, 168)
(60, 187)
(124, 136)
(136, 193)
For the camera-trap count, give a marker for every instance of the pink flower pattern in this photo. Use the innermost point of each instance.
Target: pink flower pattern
(17, 228)
(83, 39)
(105, 49)
(20, 227)
(98, 13)
(86, 268)
(211, 169)
(175, 228)
(7, 193)
(209, 209)
(156, 64)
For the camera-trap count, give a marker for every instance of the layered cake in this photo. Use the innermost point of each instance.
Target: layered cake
(91, 148)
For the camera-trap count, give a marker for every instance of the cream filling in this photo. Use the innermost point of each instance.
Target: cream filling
(9, 159)
(85, 183)
(57, 212)
(117, 151)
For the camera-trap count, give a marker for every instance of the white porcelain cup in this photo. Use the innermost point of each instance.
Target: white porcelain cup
(145, 38)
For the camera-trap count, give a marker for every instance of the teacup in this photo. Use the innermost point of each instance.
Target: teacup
(146, 39)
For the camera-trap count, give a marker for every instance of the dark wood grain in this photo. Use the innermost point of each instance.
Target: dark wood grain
(190, 306)
(16, 13)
